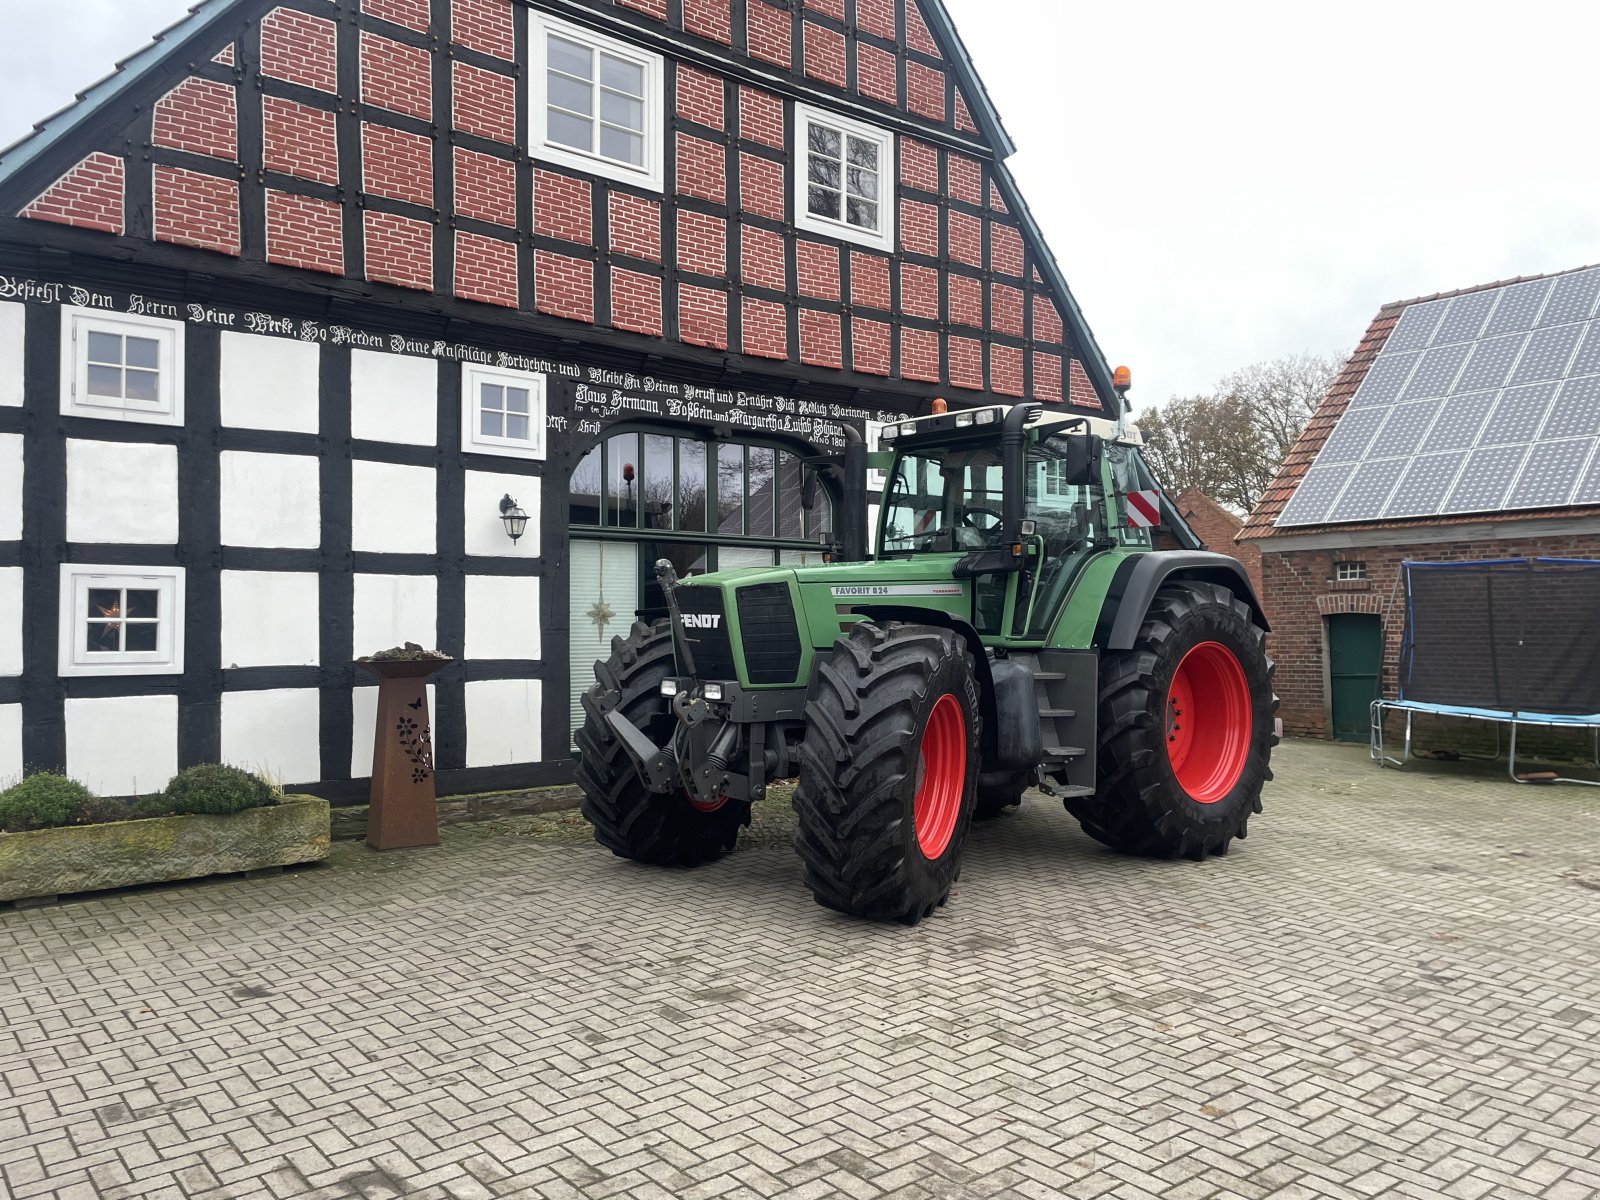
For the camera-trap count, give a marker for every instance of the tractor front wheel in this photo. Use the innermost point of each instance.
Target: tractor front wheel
(628, 818)
(888, 771)
(1186, 728)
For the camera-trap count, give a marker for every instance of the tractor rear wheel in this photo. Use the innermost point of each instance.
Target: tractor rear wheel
(888, 771)
(1186, 728)
(628, 818)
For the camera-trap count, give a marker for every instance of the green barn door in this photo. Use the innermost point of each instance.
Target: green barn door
(1355, 658)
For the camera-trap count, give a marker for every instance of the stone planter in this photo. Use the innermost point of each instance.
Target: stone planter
(91, 858)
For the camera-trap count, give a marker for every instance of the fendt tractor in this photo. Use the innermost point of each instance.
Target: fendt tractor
(1012, 628)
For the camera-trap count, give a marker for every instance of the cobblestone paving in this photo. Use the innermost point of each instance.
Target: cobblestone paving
(1392, 989)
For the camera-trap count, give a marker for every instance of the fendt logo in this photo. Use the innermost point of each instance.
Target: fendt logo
(702, 620)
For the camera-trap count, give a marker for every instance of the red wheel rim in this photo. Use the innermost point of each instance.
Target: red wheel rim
(1208, 722)
(941, 776)
(701, 806)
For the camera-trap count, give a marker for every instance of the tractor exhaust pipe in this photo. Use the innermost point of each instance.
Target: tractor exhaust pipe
(1014, 467)
(855, 496)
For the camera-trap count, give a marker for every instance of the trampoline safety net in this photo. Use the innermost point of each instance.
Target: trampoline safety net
(1518, 635)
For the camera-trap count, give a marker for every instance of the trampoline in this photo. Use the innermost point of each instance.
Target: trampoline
(1508, 641)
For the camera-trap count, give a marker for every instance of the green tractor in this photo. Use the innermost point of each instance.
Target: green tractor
(1013, 628)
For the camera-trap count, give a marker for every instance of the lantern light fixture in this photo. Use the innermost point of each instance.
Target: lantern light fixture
(515, 519)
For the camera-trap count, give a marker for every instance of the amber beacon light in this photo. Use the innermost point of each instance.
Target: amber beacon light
(1122, 379)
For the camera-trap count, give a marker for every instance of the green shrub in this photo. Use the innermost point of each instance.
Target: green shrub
(97, 810)
(42, 801)
(217, 789)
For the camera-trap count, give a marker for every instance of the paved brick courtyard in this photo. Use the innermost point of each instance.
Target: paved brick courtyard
(1393, 988)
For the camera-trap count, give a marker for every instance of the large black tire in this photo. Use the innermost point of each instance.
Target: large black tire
(1165, 792)
(887, 695)
(630, 820)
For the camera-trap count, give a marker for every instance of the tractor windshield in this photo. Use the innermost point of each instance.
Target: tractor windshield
(951, 500)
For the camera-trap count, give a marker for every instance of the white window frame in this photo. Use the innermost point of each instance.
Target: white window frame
(77, 324)
(473, 376)
(78, 579)
(1350, 571)
(540, 26)
(888, 175)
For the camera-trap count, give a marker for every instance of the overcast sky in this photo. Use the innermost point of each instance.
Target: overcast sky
(1222, 183)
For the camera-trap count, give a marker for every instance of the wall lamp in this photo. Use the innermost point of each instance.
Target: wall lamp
(516, 520)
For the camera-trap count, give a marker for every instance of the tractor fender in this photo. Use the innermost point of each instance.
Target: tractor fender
(1140, 576)
(980, 658)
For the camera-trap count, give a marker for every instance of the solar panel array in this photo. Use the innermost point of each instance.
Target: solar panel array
(1476, 403)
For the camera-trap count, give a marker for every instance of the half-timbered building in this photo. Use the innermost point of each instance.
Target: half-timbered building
(306, 298)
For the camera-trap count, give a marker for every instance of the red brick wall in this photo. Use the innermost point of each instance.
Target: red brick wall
(1217, 528)
(200, 116)
(956, 302)
(196, 210)
(89, 196)
(1298, 591)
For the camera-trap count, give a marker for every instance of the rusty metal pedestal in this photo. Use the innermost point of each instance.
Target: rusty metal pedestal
(403, 811)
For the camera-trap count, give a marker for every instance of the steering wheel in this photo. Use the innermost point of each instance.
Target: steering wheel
(969, 517)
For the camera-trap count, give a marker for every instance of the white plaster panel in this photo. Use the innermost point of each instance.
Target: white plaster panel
(122, 492)
(10, 620)
(270, 500)
(277, 734)
(391, 610)
(502, 616)
(486, 532)
(270, 383)
(503, 717)
(394, 509)
(10, 487)
(10, 744)
(364, 715)
(270, 619)
(123, 745)
(394, 398)
(13, 320)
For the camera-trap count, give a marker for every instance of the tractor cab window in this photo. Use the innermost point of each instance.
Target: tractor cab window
(1067, 518)
(943, 501)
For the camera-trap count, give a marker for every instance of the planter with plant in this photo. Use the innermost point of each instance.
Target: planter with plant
(58, 837)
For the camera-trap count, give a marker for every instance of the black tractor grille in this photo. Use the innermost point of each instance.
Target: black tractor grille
(770, 633)
(712, 648)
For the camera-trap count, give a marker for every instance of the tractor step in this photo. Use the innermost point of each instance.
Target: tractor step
(1058, 712)
(1064, 791)
(1062, 753)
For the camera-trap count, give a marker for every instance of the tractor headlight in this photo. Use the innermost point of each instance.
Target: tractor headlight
(669, 687)
(907, 428)
(987, 416)
(964, 420)
(888, 433)
(712, 691)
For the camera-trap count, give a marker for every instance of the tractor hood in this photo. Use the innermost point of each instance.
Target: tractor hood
(766, 623)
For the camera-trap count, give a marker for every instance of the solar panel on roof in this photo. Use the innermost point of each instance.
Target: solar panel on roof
(1547, 476)
(1474, 403)
(1547, 353)
(1435, 373)
(1486, 478)
(1576, 412)
(1424, 485)
(1518, 415)
(1572, 298)
(1518, 307)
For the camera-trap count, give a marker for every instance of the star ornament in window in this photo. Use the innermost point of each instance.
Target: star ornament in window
(602, 614)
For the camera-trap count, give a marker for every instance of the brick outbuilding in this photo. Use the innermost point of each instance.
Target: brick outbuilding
(1466, 426)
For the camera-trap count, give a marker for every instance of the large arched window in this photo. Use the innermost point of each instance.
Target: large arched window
(705, 505)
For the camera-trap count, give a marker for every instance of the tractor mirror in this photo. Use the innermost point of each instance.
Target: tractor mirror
(808, 489)
(1080, 461)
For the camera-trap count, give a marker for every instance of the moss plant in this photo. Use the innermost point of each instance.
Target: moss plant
(217, 789)
(42, 801)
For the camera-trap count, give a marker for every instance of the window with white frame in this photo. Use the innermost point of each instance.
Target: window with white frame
(1349, 572)
(502, 412)
(121, 620)
(844, 179)
(597, 102)
(121, 368)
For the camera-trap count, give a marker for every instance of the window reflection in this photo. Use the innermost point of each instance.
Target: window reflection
(622, 481)
(763, 500)
(691, 486)
(730, 489)
(655, 485)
